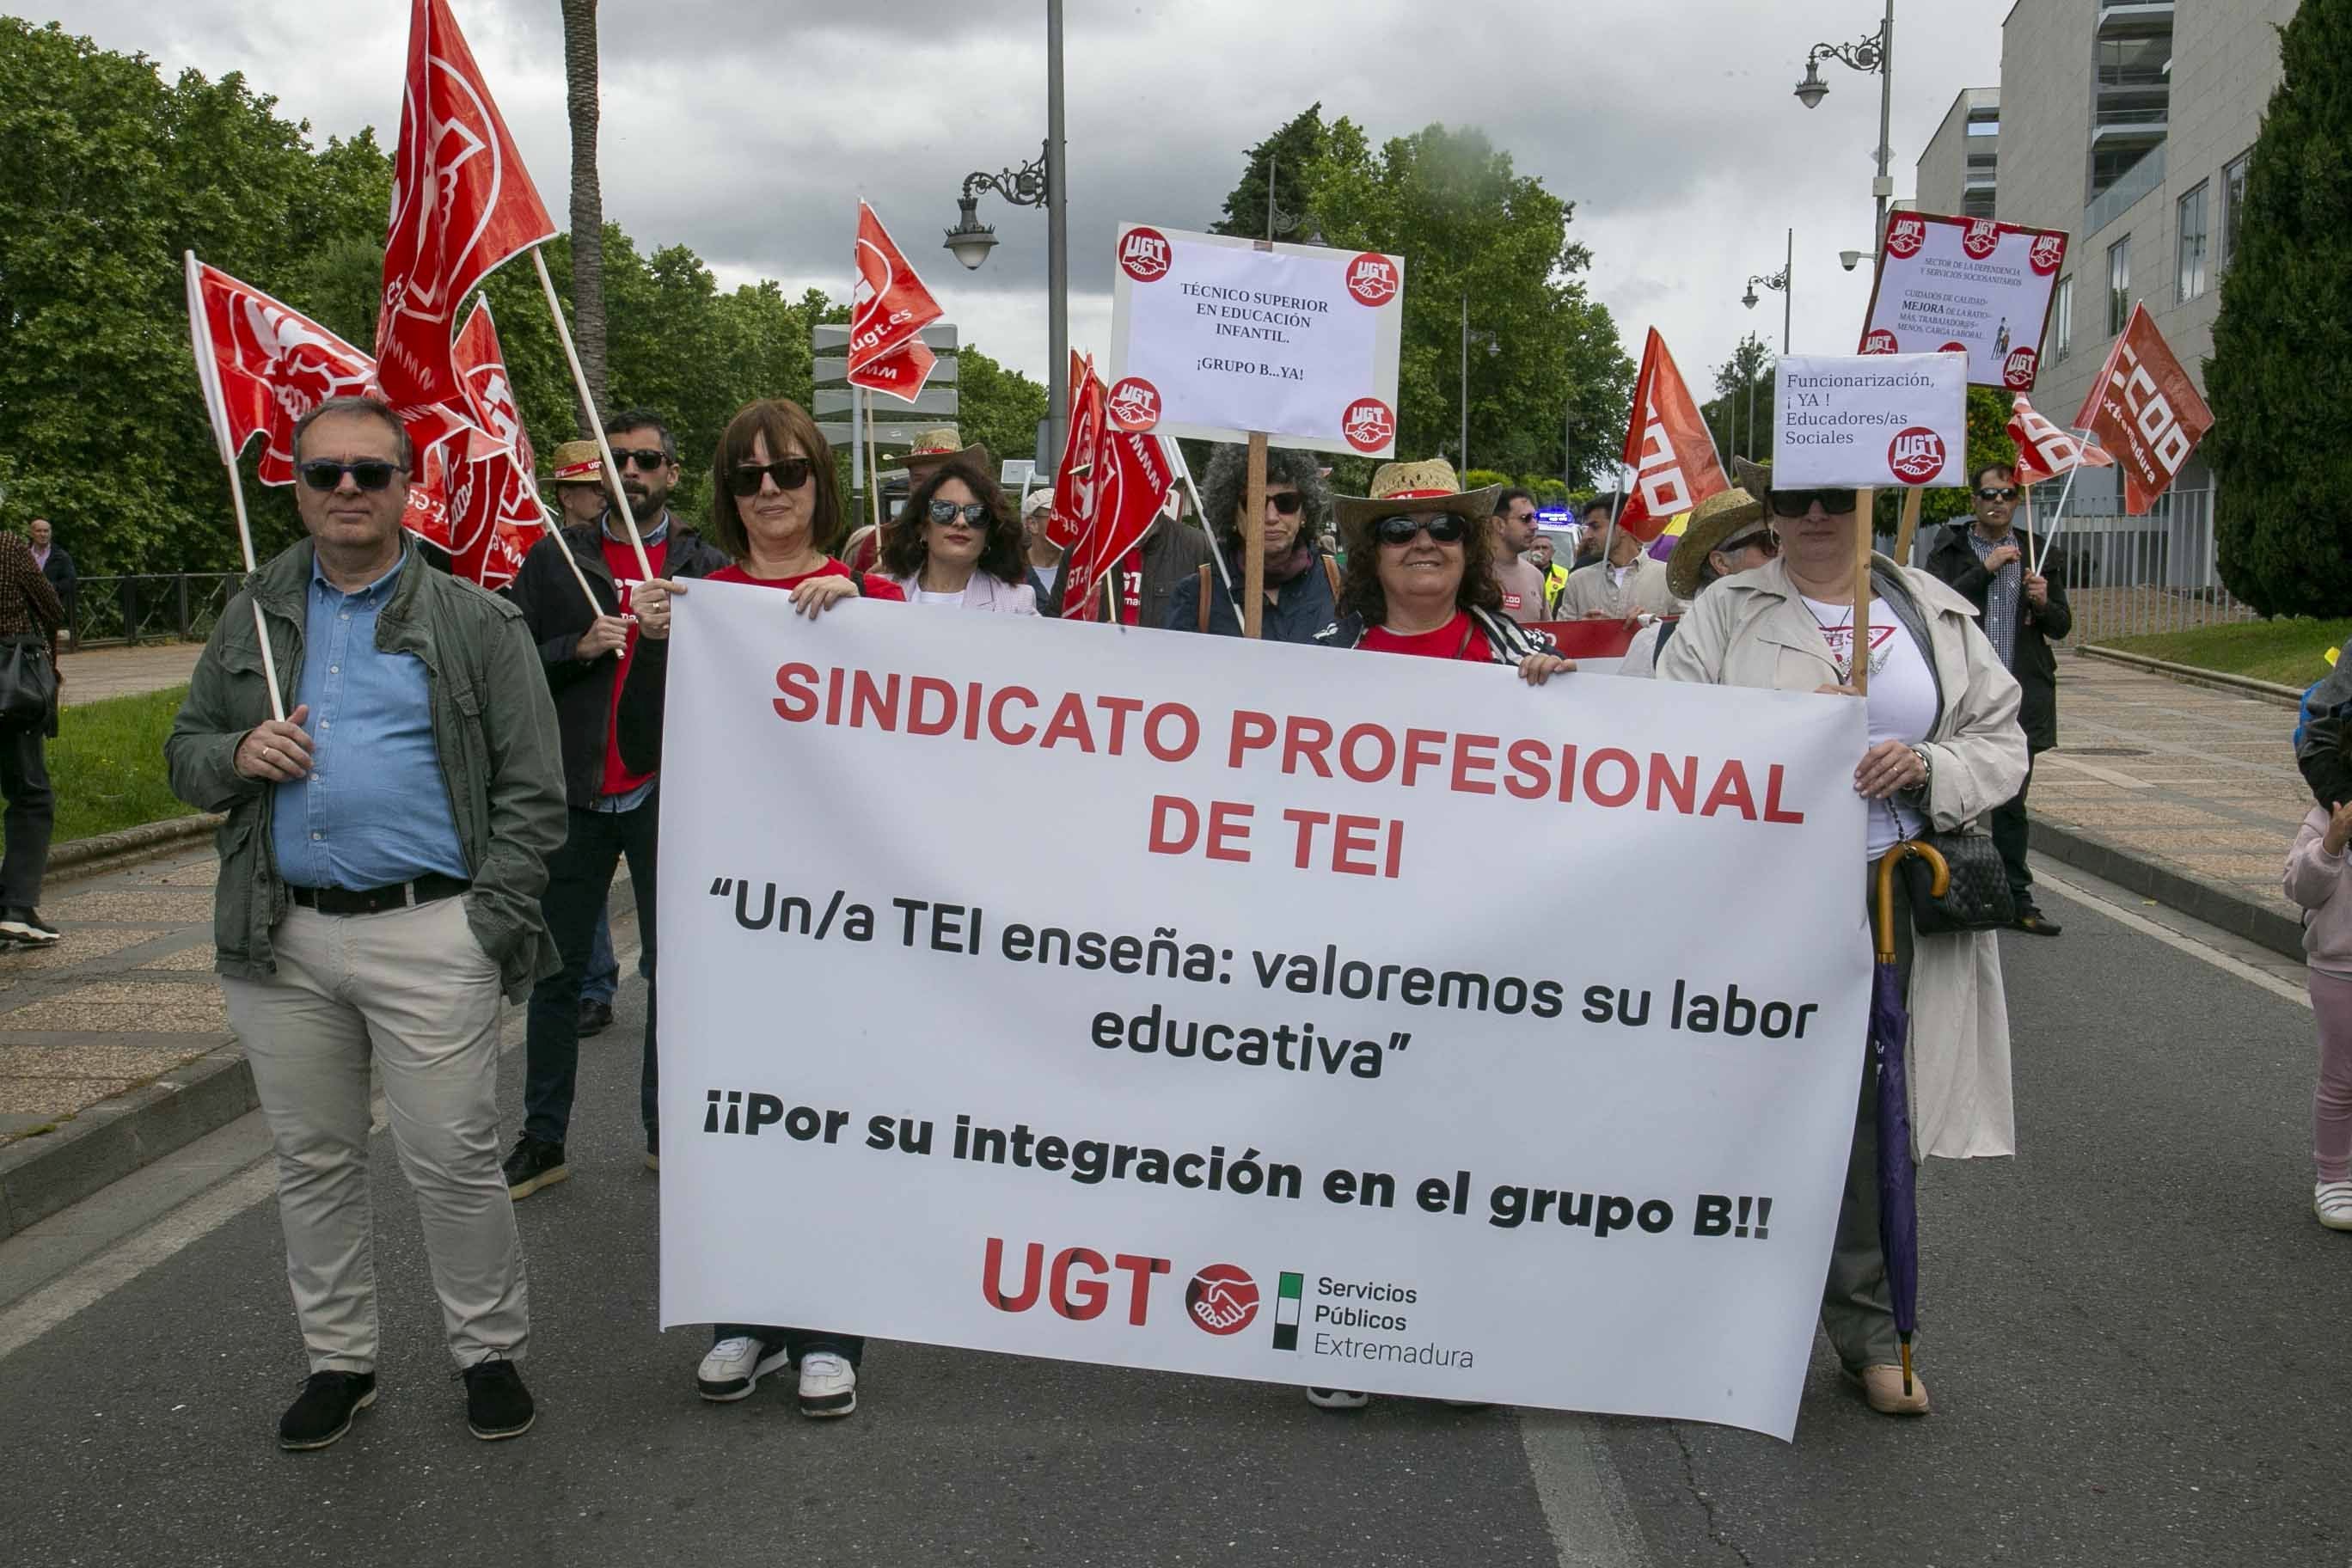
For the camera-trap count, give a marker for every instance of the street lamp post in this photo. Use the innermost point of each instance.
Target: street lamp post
(1871, 54)
(1493, 348)
(1045, 183)
(1781, 281)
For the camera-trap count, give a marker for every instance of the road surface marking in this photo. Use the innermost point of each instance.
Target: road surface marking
(2173, 939)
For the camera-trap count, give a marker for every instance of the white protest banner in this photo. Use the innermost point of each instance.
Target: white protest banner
(1964, 285)
(1264, 1057)
(1214, 337)
(1870, 420)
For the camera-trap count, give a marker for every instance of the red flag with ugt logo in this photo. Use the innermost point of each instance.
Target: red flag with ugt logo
(1132, 475)
(1667, 447)
(2043, 450)
(1074, 478)
(889, 309)
(461, 204)
(2145, 412)
(501, 516)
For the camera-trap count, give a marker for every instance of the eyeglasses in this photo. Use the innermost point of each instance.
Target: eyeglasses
(1796, 503)
(790, 474)
(1443, 526)
(368, 474)
(1766, 541)
(1285, 502)
(2009, 493)
(974, 514)
(648, 459)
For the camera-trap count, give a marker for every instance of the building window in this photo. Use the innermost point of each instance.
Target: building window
(2118, 285)
(2062, 318)
(2233, 209)
(1976, 203)
(2189, 244)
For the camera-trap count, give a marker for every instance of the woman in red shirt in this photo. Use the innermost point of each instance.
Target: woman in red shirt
(1420, 575)
(773, 498)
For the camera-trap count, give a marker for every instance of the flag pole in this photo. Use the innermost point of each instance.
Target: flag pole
(200, 340)
(1866, 506)
(547, 521)
(2058, 518)
(588, 404)
(874, 477)
(260, 626)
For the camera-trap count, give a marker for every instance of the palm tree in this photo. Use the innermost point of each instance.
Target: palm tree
(587, 197)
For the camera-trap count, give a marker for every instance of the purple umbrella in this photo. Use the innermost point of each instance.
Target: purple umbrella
(1890, 1027)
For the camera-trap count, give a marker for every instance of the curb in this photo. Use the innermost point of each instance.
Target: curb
(39, 1176)
(2188, 675)
(2265, 925)
(83, 857)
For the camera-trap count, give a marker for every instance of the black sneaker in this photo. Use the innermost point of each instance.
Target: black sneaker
(497, 1403)
(323, 1413)
(2034, 921)
(595, 1017)
(535, 1164)
(653, 1150)
(27, 927)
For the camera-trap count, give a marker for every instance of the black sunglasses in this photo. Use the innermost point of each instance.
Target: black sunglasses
(1444, 527)
(790, 474)
(974, 514)
(368, 474)
(1285, 502)
(1794, 503)
(2007, 494)
(1766, 541)
(648, 459)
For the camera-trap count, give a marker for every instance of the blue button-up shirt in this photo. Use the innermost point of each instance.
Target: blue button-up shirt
(374, 810)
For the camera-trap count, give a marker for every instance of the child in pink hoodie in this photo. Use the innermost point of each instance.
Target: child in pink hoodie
(2315, 879)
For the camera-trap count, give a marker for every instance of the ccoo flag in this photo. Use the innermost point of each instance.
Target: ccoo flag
(2043, 450)
(461, 204)
(2145, 412)
(1667, 447)
(889, 308)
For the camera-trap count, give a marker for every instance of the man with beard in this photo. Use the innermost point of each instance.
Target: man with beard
(613, 811)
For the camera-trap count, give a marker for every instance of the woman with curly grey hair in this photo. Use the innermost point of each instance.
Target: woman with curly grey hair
(1301, 580)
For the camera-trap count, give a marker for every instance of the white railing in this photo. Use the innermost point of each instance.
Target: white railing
(2129, 576)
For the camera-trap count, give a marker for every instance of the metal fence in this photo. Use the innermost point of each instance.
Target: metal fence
(2127, 576)
(152, 607)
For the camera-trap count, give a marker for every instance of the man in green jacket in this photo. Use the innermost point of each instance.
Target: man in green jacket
(379, 887)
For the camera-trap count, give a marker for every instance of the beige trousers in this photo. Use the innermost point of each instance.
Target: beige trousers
(412, 992)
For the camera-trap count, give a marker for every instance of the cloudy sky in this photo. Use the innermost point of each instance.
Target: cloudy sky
(747, 129)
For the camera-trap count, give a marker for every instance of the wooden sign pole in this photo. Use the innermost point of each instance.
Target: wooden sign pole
(1906, 530)
(1864, 517)
(1253, 541)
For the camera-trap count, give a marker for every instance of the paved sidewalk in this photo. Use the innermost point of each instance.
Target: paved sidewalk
(2185, 779)
(100, 673)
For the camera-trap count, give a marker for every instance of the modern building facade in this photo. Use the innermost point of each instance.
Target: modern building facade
(1958, 172)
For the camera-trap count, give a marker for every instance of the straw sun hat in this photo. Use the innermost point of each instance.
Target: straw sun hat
(1413, 489)
(1719, 519)
(934, 447)
(577, 463)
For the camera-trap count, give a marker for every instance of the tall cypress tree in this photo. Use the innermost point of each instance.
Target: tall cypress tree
(2280, 381)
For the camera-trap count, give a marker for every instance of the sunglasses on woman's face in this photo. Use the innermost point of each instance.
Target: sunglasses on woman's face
(1765, 542)
(1285, 502)
(1445, 528)
(1796, 503)
(974, 514)
(790, 474)
(322, 475)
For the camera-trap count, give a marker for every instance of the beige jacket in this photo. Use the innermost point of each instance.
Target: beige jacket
(1754, 630)
(1644, 592)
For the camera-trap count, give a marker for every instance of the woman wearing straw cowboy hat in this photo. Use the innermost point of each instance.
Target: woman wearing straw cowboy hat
(1421, 574)
(1726, 536)
(1944, 750)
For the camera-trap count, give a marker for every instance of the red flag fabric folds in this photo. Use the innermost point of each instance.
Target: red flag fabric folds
(264, 364)
(1074, 478)
(2043, 450)
(2145, 412)
(1667, 447)
(461, 204)
(889, 308)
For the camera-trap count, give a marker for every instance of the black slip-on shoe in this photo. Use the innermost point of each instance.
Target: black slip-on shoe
(323, 1412)
(497, 1403)
(2034, 922)
(535, 1164)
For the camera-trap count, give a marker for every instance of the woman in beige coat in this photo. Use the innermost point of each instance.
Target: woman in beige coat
(1945, 749)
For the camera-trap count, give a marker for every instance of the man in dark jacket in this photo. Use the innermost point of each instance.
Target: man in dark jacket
(58, 566)
(1147, 577)
(1299, 576)
(614, 810)
(1988, 562)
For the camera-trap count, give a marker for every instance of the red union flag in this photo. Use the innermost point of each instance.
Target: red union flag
(461, 204)
(462, 507)
(1130, 480)
(1074, 479)
(263, 365)
(2043, 450)
(2145, 412)
(889, 309)
(1667, 447)
(503, 516)
(489, 390)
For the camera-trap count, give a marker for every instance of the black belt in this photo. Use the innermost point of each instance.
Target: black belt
(375, 901)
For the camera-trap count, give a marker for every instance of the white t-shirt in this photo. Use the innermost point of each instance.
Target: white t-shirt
(924, 596)
(1901, 701)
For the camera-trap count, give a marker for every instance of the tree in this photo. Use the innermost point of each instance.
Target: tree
(997, 407)
(2280, 379)
(1289, 154)
(1466, 223)
(580, 81)
(1739, 416)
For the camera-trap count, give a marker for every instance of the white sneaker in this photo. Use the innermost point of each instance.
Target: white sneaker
(2331, 1201)
(828, 1385)
(735, 1366)
(1337, 1399)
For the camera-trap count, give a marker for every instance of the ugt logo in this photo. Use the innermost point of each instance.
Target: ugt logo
(1134, 404)
(1983, 236)
(1368, 425)
(1905, 235)
(1077, 1285)
(1916, 455)
(2049, 250)
(1221, 1299)
(1881, 340)
(1143, 255)
(1372, 278)
(2017, 371)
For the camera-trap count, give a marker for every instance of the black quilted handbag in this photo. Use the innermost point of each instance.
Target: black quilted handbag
(1977, 899)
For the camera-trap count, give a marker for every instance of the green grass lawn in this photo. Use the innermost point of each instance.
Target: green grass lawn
(2292, 651)
(107, 765)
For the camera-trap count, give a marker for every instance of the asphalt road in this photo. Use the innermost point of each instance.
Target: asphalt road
(2135, 1333)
